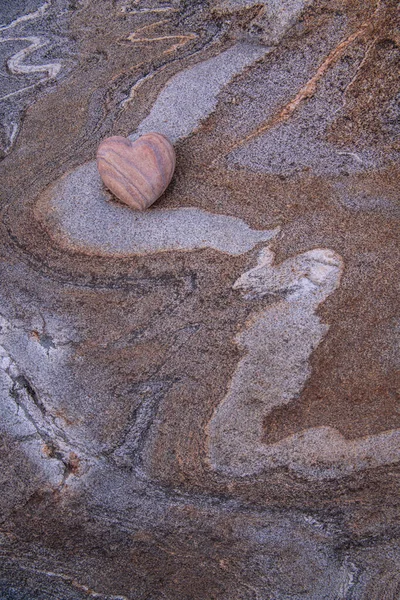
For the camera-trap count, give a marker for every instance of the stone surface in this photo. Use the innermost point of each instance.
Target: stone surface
(201, 401)
(79, 214)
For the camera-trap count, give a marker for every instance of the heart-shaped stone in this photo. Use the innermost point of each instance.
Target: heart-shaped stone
(138, 172)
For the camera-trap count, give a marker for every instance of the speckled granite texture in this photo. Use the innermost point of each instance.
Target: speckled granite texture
(200, 401)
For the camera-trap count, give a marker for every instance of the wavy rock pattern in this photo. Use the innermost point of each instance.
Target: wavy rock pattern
(22, 67)
(83, 218)
(175, 421)
(191, 95)
(278, 344)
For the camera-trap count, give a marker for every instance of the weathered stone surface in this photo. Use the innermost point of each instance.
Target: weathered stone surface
(201, 401)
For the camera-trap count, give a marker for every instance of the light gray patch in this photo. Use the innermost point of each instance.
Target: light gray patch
(278, 344)
(293, 147)
(29, 375)
(391, 117)
(79, 216)
(190, 96)
(17, 424)
(363, 201)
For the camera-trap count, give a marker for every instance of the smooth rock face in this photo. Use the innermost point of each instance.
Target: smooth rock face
(77, 213)
(200, 401)
(137, 173)
(191, 96)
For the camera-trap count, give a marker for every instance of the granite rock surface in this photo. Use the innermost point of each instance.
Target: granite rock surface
(201, 401)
